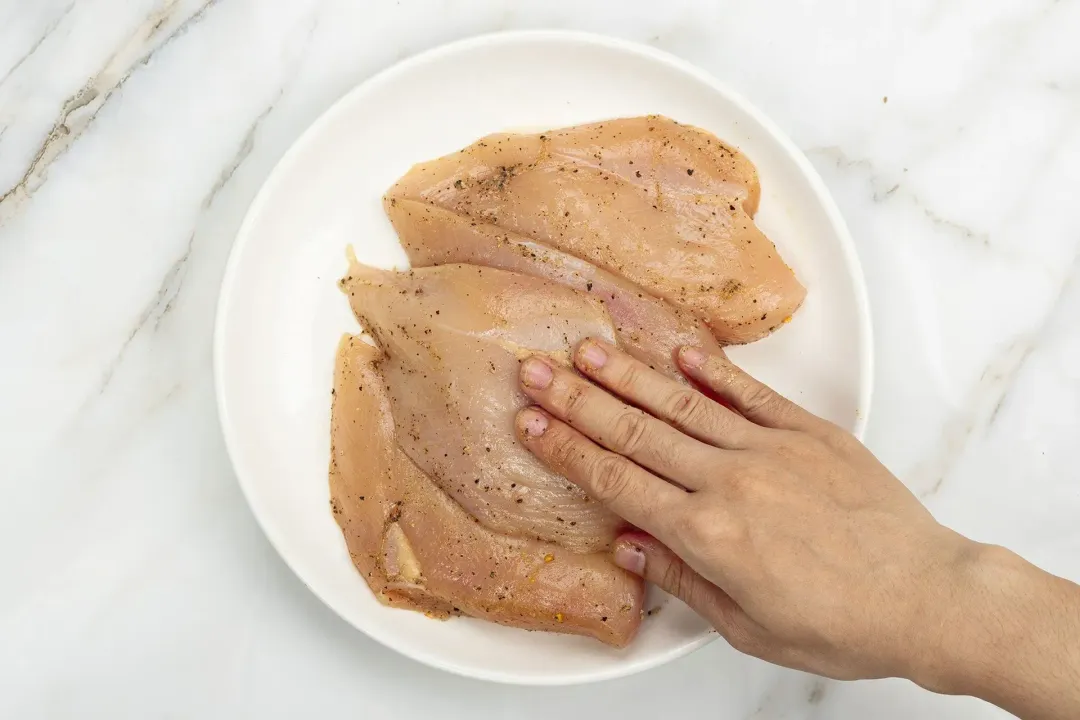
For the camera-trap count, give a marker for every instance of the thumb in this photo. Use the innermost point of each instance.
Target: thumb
(646, 556)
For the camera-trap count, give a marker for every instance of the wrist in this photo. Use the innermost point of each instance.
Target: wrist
(944, 607)
(1004, 631)
(965, 608)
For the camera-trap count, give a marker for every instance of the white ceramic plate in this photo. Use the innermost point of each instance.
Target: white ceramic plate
(280, 314)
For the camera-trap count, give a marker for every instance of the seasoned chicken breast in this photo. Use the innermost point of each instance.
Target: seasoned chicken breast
(666, 206)
(647, 327)
(418, 549)
(453, 337)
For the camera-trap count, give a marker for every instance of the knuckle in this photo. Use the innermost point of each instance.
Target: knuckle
(758, 398)
(841, 440)
(742, 479)
(799, 448)
(574, 401)
(684, 408)
(712, 534)
(666, 455)
(674, 580)
(612, 478)
(740, 637)
(738, 486)
(628, 432)
(791, 447)
(629, 377)
(700, 535)
(564, 449)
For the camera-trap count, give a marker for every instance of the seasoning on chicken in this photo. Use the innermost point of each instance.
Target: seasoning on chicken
(648, 328)
(666, 206)
(453, 337)
(639, 231)
(418, 549)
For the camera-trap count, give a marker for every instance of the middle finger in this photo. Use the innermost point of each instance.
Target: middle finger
(623, 429)
(681, 406)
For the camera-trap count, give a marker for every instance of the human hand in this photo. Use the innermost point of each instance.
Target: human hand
(777, 526)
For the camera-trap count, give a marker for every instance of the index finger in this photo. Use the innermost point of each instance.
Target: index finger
(631, 492)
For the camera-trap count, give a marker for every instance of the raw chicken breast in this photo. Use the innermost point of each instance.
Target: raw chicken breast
(453, 337)
(648, 328)
(418, 549)
(667, 206)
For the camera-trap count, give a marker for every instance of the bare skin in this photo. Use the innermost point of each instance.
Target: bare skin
(793, 540)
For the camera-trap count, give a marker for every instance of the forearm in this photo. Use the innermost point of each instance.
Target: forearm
(1009, 633)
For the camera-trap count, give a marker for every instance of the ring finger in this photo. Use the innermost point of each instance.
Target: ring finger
(679, 405)
(623, 429)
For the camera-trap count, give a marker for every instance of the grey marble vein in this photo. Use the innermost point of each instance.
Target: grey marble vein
(80, 110)
(49, 29)
(160, 304)
(793, 692)
(881, 186)
(884, 189)
(958, 229)
(172, 281)
(245, 148)
(986, 400)
(979, 408)
(817, 691)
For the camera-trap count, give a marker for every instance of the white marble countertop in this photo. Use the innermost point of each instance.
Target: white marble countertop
(133, 134)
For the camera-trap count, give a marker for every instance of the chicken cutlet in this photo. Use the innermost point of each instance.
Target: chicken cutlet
(418, 549)
(650, 329)
(453, 338)
(666, 206)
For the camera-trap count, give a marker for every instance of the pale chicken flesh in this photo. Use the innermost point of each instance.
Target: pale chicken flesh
(647, 327)
(668, 207)
(453, 338)
(418, 549)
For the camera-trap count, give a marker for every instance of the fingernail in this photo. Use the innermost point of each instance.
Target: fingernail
(532, 423)
(536, 374)
(691, 357)
(630, 558)
(592, 356)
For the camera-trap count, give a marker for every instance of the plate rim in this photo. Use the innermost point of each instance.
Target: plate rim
(243, 233)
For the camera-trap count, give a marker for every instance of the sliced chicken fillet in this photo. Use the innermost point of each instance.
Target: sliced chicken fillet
(419, 549)
(667, 206)
(453, 338)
